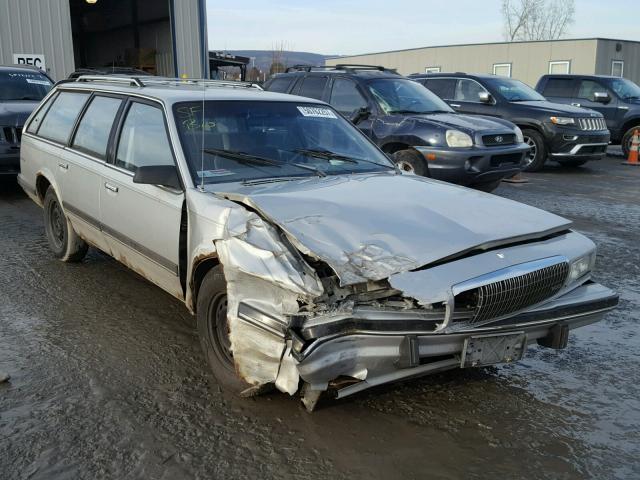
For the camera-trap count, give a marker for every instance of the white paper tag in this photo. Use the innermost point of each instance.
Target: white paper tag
(318, 112)
(220, 172)
(38, 82)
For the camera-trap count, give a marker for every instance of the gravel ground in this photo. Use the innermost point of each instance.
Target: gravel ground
(108, 380)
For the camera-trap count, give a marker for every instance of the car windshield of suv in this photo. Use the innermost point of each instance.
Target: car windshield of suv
(625, 89)
(23, 85)
(397, 96)
(515, 90)
(237, 141)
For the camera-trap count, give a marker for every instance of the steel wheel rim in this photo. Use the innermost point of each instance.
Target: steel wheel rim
(531, 156)
(56, 219)
(406, 167)
(219, 330)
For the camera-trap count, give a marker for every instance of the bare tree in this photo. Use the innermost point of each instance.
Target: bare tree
(278, 58)
(537, 19)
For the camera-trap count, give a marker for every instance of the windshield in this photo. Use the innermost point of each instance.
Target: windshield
(625, 89)
(249, 140)
(514, 90)
(23, 85)
(399, 95)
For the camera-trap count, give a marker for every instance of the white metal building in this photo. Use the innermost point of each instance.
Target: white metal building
(164, 37)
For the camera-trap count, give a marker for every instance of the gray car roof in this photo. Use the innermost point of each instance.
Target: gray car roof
(174, 93)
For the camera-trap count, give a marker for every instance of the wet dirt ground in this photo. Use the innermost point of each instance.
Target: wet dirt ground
(108, 380)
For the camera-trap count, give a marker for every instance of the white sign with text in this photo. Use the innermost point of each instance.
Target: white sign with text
(33, 59)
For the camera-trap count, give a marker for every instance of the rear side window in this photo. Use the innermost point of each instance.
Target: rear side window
(59, 120)
(313, 87)
(144, 140)
(37, 120)
(345, 96)
(468, 91)
(559, 87)
(442, 87)
(95, 126)
(280, 84)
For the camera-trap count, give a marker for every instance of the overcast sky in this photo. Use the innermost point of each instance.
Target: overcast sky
(359, 26)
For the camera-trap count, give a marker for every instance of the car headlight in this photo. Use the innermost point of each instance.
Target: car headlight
(562, 121)
(458, 139)
(580, 267)
(519, 135)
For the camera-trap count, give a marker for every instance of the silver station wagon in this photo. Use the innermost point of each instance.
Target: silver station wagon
(311, 263)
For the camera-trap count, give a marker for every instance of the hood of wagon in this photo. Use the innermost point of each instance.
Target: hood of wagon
(368, 227)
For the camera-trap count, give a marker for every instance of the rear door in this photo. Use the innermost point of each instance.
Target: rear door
(312, 86)
(142, 222)
(585, 97)
(442, 87)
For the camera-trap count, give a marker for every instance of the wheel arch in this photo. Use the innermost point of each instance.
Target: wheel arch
(201, 266)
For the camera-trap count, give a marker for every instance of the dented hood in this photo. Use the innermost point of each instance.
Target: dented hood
(368, 227)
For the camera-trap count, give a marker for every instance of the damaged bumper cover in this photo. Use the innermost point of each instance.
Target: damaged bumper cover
(365, 348)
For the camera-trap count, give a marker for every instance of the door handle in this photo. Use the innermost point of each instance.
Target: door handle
(64, 166)
(455, 105)
(110, 187)
(576, 104)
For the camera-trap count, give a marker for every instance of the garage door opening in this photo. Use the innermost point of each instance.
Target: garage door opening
(123, 34)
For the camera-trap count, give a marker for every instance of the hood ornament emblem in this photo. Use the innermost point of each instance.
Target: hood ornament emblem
(499, 139)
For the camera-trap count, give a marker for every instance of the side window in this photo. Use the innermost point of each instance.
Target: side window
(313, 87)
(588, 88)
(280, 84)
(59, 120)
(94, 129)
(559, 87)
(345, 96)
(143, 140)
(442, 87)
(37, 120)
(468, 91)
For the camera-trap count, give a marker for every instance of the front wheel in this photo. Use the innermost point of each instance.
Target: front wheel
(534, 161)
(63, 241)
(410, 161)
(213, 329)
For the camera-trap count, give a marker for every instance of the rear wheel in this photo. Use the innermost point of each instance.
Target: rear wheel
(534, 161)
(63, 241)
(410, 161)
(213, 329)
(626, 140)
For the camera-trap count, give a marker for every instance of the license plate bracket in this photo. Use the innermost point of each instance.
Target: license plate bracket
(483, 350)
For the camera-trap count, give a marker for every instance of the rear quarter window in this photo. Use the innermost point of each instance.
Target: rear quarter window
(313, 87)
(61, 117)
(280, 84)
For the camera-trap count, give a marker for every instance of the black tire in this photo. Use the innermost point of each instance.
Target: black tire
(63, 241)
(487, 187)
(572, 163)
(213, 329)
(538, 155)
(410, 161)
(625, 143)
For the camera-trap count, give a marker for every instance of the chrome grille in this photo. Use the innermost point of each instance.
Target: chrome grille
(591, 124)
(497, 299)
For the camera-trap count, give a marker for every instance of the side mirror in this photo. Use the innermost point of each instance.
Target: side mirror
(601, 97)
(485, 97)
(360, 115)
(165, 175)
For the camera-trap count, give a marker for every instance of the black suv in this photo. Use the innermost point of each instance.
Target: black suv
(618, 99)
(564, 133)
(21, 89)
(421, 132)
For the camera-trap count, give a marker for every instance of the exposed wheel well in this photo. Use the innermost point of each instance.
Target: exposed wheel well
(394, 147)
(199, 272)
(42, 184)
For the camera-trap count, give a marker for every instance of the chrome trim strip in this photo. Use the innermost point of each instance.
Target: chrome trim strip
(261, 320)
(576, 150)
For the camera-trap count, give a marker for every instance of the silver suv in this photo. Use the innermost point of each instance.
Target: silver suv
(310, 261)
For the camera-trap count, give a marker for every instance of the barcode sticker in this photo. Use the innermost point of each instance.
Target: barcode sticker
(317, 112)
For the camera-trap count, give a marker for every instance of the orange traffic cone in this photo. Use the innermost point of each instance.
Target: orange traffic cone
(633, 151)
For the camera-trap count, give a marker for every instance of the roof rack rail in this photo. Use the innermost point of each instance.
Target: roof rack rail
(355, 66)
(308, 68)
(152, 80)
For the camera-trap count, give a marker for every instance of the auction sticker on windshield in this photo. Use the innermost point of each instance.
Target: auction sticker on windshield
(317, 112)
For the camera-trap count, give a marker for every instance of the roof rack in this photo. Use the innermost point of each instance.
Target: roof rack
(142, 82)
(355, 67)
(308, 68)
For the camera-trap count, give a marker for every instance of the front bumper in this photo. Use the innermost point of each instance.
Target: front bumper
(475, 165)
(373, 357)
(570, 144)
(9, 159)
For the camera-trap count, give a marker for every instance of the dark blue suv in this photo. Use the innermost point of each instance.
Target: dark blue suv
(413, 126)
(618, 99)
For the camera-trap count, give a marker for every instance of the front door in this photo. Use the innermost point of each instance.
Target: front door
(585, 98)
(142, 222)
(466, 99)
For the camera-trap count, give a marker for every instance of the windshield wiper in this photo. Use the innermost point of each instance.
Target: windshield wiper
(249, 159)
(328, 155)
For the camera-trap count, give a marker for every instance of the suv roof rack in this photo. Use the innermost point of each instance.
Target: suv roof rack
(308, 68)
(356, 67)
(142, 82)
